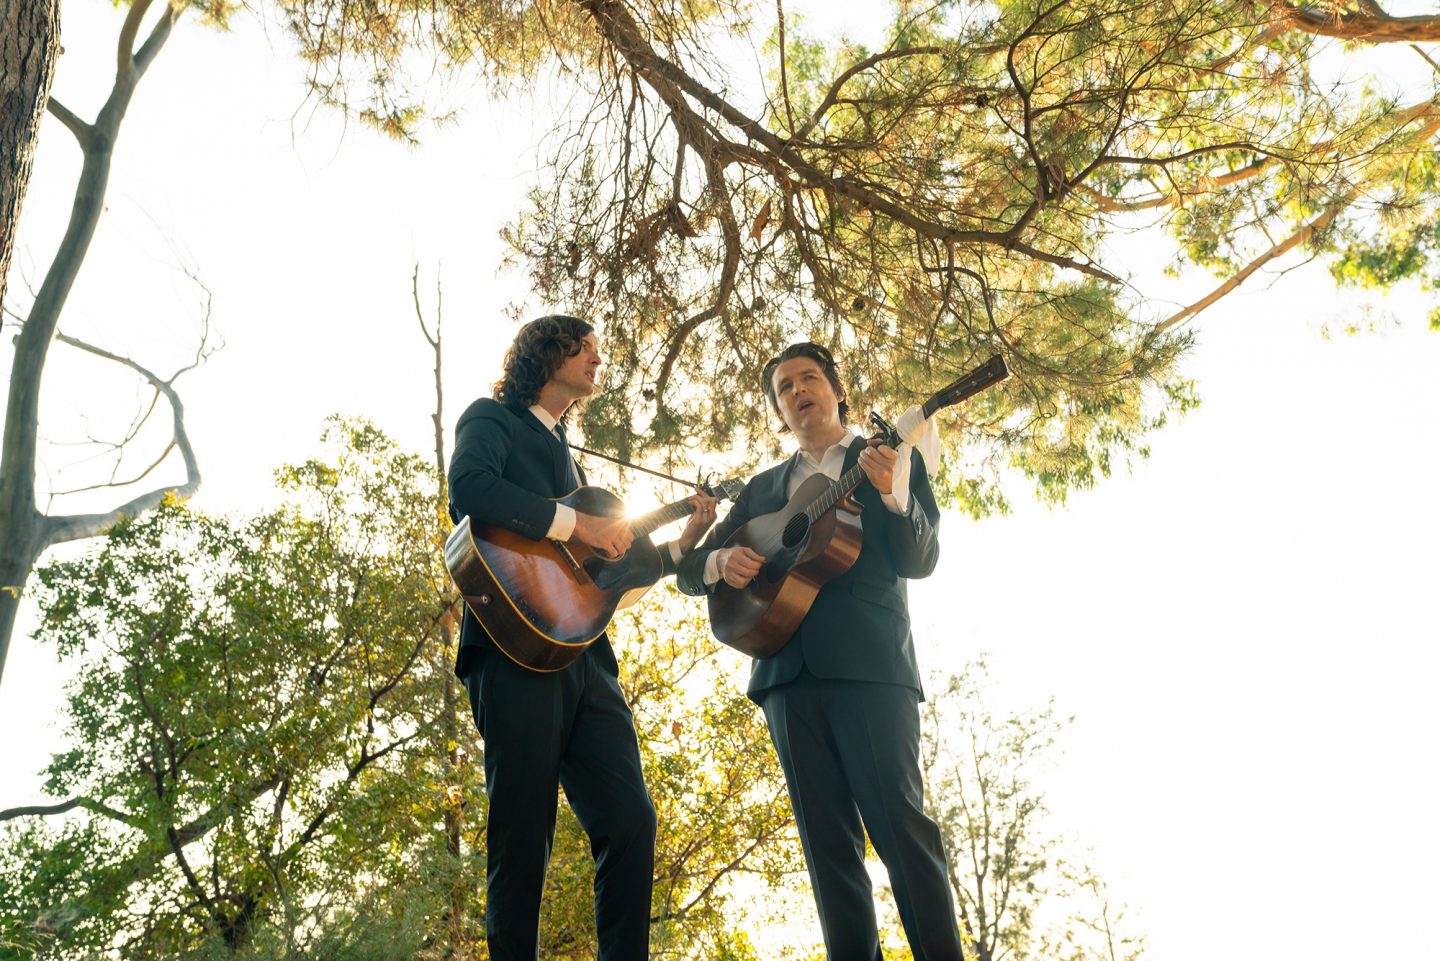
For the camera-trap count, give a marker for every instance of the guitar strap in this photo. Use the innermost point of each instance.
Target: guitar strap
(625, 463)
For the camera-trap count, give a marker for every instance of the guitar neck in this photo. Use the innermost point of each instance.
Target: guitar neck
(646, 523)
(838, 488)
(991, 372)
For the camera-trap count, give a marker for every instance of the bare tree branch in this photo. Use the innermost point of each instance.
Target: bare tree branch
(82, 130)
(437, 418)
(76, 526)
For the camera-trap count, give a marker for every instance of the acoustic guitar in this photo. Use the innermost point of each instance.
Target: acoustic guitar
(806, 544)
(542, 601)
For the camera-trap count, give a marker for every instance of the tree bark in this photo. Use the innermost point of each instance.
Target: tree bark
(29, 45)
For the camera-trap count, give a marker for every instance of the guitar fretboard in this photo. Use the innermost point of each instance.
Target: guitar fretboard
(837, 489)
(646, 523)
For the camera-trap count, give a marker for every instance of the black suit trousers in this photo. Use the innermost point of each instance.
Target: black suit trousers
(569, 728)
(851, 755)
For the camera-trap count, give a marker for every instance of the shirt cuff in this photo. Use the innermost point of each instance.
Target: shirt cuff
(898, 500)
(675, 553)
(712, 569)
(923, 433)
(563, 525)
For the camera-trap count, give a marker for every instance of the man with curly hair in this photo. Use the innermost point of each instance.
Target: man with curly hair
(571, 727)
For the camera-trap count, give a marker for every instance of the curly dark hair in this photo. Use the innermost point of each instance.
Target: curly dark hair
(536, 354)
(816, 352)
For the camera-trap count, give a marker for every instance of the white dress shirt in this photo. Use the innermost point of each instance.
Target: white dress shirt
(563, 524)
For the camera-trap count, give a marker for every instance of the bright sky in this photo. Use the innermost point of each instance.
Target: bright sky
(1244, 626)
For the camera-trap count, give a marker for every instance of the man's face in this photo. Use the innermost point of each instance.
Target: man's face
(580, 374)
(807, 402)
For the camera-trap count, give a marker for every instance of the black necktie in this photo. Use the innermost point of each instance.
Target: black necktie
(571, 481)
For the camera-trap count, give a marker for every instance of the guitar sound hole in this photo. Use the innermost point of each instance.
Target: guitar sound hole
(795, 530)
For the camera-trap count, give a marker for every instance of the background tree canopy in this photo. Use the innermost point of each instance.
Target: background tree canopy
(263, 762)
(922, 205)
(262, 759)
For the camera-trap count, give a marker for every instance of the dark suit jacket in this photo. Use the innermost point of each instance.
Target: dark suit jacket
(858, 629)
(506, 469)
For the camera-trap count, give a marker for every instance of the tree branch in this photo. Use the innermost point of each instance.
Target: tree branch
(437, 418)
(860, 66)
(619, 28)
(1208, 182)
(77, 526)
(1278, 250)
(114, 483)
(730, 228)
(82, 130)
(1369, 23)
(1325, 218)
(45, 810)
(158, 35)
(125, 49)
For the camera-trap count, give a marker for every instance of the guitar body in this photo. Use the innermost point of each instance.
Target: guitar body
(543, 603)
(801, 558)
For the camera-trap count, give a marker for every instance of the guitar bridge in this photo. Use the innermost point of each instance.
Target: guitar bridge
(571, 562)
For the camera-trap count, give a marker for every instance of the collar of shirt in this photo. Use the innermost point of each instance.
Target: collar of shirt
(544, 417)
(828, 463)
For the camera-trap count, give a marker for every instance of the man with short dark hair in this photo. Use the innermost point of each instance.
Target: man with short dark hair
(570, 727)
(841, 696)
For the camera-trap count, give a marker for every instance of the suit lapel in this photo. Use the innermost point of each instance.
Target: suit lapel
(557, 451)
(779, 494)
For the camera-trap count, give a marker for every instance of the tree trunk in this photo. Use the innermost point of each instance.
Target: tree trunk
(29, 44)
(18, 539)
(23, 526)
(454, 802)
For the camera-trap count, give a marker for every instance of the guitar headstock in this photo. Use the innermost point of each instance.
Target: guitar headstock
(727, 489)
(991, 372)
